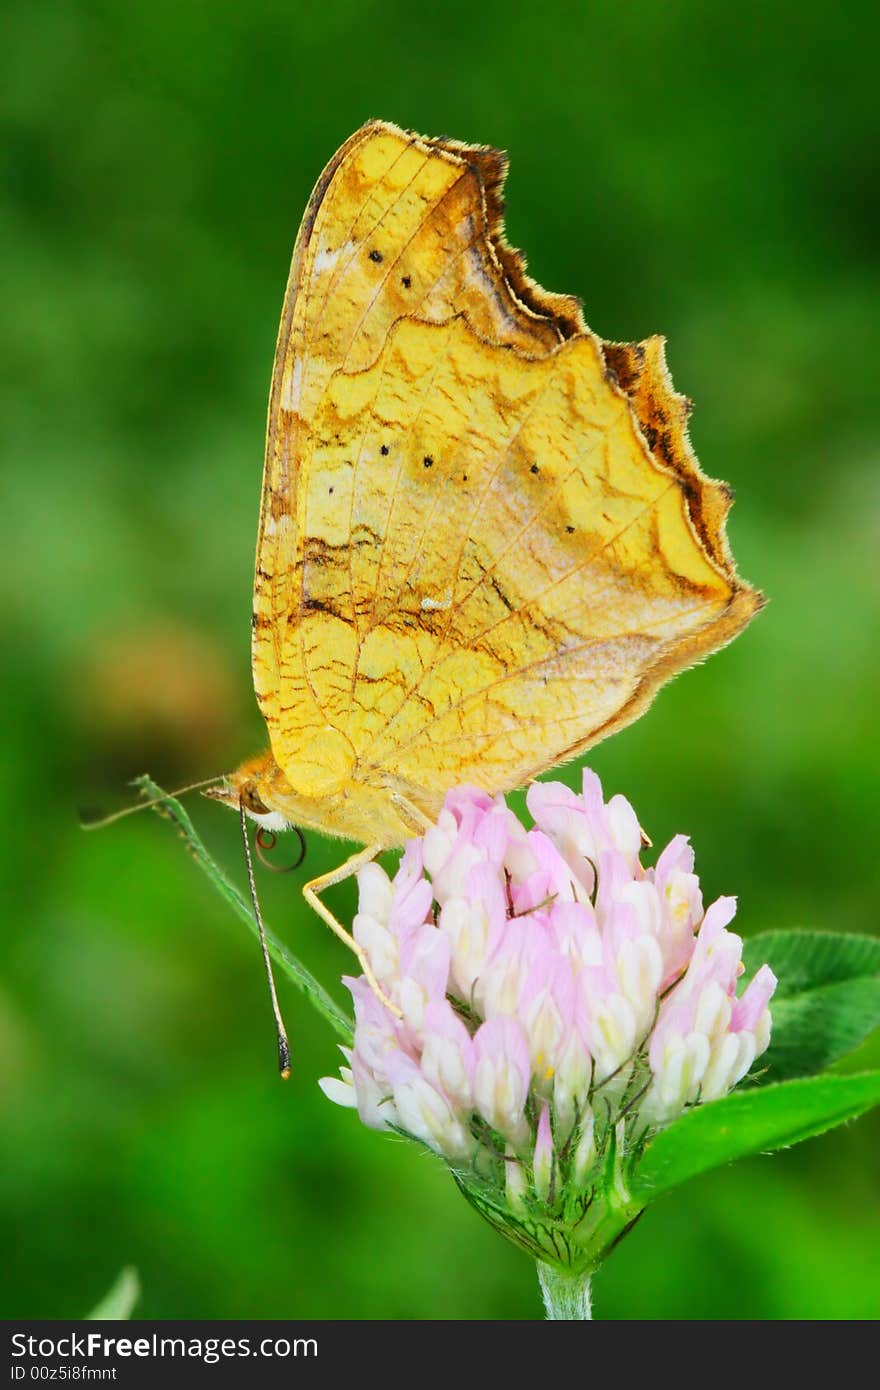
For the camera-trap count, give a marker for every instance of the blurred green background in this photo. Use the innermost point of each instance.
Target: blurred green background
(685, 168)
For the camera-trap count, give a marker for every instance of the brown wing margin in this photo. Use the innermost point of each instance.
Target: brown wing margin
(662, 416)
(491, 167)
(639, 369)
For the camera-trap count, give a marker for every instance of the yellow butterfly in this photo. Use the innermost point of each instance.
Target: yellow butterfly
(484, 539)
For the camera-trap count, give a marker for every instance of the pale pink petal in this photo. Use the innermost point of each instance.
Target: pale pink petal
(516, 948)
(542, 1160)
(377, 1032)
(448, 1054)
(411, 905)
(546, 1011)
(561, 815)
(339, 1090)
(375, 1102)
(577, 934)
(424, 973)
(425, 1113)
(439, 842)
(375, 892)
(491, 833)
(678, 854)
(624, 830)
(757, 995)
(380, 943)
(469, 922)
(501, 1076)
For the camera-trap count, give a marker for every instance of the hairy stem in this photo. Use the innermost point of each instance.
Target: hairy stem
(566, 1294)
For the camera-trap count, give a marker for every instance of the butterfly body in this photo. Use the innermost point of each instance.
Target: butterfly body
(384, 814)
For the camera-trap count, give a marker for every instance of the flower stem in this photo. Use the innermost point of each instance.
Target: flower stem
(566, 1295)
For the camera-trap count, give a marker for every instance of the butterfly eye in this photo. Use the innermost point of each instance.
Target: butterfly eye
(252, 801)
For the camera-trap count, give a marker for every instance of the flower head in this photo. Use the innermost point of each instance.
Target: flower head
(558, 1002)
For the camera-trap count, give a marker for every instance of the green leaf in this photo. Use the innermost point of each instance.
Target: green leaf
(304, 980)
(750, 1122)
(803, 960)
(813, 1029)
(827, 1000)
(118, 1302)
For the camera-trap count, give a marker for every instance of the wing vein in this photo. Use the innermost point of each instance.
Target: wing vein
(522, 670)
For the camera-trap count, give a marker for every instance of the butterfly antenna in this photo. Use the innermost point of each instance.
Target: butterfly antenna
(95, 820)
(283, 1044)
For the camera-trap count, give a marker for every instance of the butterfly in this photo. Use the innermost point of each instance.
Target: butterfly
(484, 540)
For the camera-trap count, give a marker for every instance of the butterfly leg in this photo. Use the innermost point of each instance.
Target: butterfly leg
(417, 819)
(317, 885)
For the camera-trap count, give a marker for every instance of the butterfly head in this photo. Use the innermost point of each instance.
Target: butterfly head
(254, 785)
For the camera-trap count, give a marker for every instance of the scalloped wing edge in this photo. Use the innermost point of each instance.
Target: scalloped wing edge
(639, 369)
